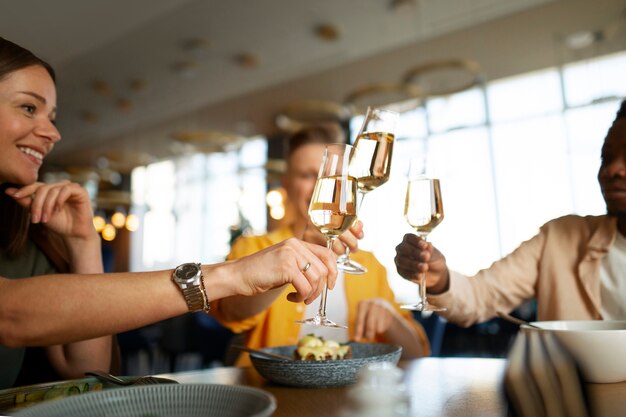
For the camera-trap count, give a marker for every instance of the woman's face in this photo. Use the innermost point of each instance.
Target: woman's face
(27, 133)
(303, 167)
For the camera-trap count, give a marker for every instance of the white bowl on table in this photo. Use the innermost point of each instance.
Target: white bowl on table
(598, 346)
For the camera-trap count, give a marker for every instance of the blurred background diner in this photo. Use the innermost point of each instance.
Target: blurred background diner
(175, 117)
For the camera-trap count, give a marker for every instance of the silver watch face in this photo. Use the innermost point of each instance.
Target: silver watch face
(187, 272)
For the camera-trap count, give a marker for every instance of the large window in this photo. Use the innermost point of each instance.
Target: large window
(193, 206)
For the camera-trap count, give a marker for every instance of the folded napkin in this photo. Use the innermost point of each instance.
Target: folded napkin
(542, 379)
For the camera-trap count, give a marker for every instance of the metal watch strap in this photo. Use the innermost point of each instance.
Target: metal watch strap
(195, 295)
(196, 300)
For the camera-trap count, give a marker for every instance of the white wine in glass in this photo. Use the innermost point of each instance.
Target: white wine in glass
(333, 209)
(423, 209)
(371, 164)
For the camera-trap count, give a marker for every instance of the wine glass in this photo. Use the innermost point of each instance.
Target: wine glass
(333, 208)
(423, 209)
(370, 164)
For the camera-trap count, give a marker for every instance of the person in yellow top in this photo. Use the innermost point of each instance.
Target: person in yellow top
(364, 303)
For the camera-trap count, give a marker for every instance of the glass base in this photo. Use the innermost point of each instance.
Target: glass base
(423, 307)
(349, 266)
(321, 321)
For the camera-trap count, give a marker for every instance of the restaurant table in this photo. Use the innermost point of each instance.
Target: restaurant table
(438, 387)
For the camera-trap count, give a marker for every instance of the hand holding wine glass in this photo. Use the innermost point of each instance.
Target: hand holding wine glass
(423, 210)
(370, 164)
(333, 208)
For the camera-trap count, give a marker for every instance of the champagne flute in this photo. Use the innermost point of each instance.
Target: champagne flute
(423, 209)
(370, 164)
(332, 209)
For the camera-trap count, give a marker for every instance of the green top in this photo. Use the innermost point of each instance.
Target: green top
(32, 262)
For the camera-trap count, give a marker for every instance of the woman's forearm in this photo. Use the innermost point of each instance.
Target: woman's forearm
(74, 359)
(238, 308)
(58, 309)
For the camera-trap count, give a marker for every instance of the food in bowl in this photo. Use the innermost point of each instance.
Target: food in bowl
(596, 345)
(313, 348)
(322, 374)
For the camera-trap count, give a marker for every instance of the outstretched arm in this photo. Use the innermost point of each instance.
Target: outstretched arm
(72, 307)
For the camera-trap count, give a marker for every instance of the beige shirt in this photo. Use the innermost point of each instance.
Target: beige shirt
(559, 267)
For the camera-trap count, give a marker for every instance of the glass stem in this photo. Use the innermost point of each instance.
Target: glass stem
(322, 310)
(358, 210)
(422, 283)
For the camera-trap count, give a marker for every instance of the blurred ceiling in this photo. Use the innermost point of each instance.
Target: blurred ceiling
(131, 74)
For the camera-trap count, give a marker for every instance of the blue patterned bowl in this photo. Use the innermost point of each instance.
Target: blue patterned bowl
(322, 374)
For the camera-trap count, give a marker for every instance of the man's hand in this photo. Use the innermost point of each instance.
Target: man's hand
(414, 255)
(350, 238)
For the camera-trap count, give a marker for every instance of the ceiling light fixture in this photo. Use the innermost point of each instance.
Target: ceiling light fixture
(298, 114)
(396, 96)
(247, 60)
(137, 85)
(327, 32)
(445, 77)
(102, 88)
(124, 104)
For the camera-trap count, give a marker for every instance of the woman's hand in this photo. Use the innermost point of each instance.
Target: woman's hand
(374, 316)
(63, 207)
(414, 255)
(286, 263)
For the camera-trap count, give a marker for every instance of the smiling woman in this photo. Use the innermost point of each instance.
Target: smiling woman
(47, 228)
(27, 134)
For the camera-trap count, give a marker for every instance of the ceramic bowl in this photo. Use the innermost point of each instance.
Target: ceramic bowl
(322, 374)
(181, 400)
(596, 345)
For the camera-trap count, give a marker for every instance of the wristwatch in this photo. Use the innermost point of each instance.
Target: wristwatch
(188, 277)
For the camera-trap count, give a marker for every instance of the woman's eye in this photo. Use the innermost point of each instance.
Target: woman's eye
(29, 108)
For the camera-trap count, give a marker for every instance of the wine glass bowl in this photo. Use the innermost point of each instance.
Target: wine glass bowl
(333, 208)
(370, 164)
(423, 206)
(423, 210)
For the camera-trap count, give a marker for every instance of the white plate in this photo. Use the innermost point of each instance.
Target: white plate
(183, 400)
